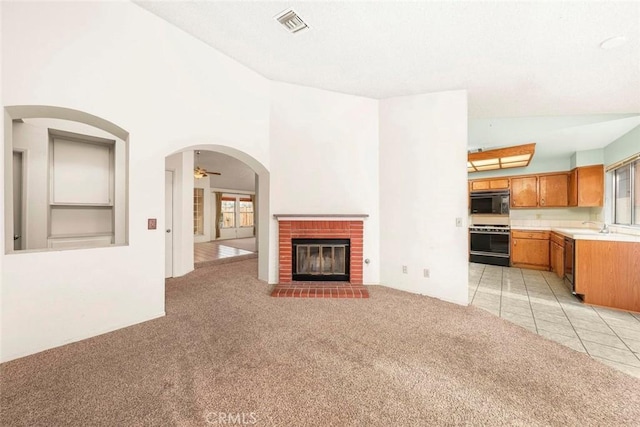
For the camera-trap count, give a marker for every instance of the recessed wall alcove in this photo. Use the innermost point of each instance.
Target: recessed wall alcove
(66, 178)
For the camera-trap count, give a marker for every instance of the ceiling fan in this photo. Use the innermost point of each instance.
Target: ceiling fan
(199, 172)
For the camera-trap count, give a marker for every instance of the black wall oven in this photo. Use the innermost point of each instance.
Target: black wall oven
(490, 202)
(490, 244)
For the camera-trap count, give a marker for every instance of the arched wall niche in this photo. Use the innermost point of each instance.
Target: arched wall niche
(66, 180)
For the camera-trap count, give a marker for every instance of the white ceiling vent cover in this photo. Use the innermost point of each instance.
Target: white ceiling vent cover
(291, 21)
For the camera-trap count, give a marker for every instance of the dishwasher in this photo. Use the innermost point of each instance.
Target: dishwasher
(569, 261)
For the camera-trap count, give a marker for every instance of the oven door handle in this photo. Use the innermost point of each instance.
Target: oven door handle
(503, 233)
(492, 254)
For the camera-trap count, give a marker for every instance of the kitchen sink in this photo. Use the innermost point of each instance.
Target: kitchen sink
(580, 231)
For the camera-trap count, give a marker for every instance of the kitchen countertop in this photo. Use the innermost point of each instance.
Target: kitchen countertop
(584, 233)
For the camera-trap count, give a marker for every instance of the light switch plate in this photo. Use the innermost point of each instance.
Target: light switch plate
(152, 223)
(458, 222)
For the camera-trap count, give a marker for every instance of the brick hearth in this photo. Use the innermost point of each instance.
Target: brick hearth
(320, 290)
(320, 229)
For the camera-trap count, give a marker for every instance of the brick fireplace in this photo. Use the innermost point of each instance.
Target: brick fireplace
(320, 228)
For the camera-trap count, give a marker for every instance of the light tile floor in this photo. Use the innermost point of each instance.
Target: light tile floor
(540, 302)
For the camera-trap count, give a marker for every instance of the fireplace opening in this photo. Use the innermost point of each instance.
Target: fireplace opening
(320, 260)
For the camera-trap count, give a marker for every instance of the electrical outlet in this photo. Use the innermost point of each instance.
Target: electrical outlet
(426, 273)
(458, 222)
(404, 269)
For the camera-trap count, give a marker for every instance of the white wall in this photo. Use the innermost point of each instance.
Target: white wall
(6, 135)
(182, 166)
(423, 188)
(169, 91)
(623, 147)
(34, 140)
(324, 160)
(589, 157)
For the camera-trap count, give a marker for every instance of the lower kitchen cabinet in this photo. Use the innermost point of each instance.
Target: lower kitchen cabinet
(607, 273)
(530, 249)
(556, 254)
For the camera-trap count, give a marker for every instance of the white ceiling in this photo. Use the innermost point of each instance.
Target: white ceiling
(236, 175)
(515, 58)
(536, 60)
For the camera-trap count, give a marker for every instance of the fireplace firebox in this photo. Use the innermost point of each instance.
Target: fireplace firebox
(320, 260)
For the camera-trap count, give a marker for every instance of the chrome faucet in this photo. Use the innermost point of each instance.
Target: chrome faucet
(604, 229)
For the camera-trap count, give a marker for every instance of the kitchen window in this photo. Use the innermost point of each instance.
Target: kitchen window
(626, 192)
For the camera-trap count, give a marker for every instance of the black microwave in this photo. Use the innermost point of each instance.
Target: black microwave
(490, 202)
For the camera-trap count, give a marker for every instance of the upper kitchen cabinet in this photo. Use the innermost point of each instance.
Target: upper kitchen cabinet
(540, 191)
(489, 184)
(524, 192)
(586, 186)
(553, 190)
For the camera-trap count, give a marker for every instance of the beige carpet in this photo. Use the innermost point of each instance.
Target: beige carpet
(227, 349)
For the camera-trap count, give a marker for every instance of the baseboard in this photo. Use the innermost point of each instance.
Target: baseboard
(91, 334)
(411, 291)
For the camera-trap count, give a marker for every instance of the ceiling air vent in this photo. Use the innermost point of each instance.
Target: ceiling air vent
(291, 21)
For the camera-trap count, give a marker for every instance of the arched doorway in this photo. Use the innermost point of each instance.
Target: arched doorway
(179, 168)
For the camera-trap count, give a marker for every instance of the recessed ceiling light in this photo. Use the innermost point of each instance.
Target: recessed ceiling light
(291, 21)
(613, 42)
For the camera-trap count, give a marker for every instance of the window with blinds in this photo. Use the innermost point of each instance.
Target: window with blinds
(626, 191)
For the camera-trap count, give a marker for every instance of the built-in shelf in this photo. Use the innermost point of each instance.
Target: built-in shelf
(81, 192)
(81, 205)
(80, 241)
(85, 235)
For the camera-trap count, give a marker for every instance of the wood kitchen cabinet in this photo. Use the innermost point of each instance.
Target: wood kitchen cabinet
(530, 249)
(607, 273)
(524, 192)
(553, 190)
(586, 186)
(581, 187)
(489, 184)
(556, 254)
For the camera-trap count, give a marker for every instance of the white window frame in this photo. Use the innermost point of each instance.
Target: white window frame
(253, 211)
(198, 211)
(235, 212)
(612, 169)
